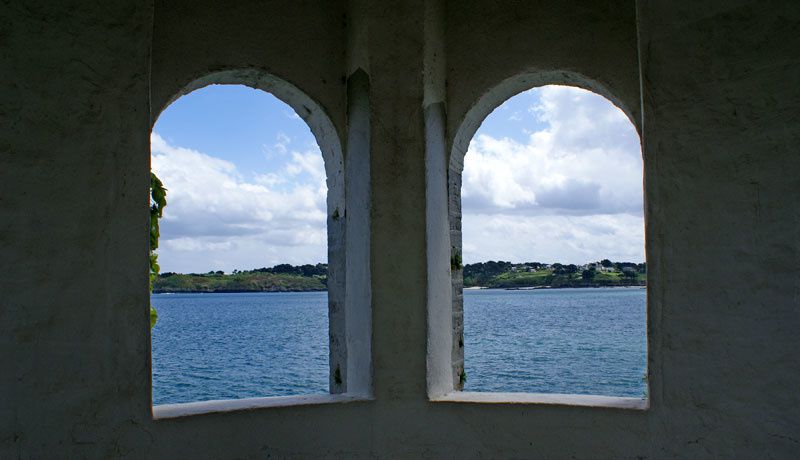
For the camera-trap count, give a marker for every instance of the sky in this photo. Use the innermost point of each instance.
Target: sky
(245, 183)
(553, 175)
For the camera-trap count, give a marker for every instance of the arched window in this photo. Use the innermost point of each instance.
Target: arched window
(547, 250)
(251, 294)
(243, 250)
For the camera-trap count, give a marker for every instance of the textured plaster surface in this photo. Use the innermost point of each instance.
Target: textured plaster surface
(74, 163)
(195, 45)
(720, 129)
(722, 126)
(538, 44)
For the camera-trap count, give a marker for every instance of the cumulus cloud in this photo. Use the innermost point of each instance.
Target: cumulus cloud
(215, 218)
(572, 192)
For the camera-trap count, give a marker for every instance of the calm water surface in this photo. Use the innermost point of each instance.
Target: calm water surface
(230, 346)
(580, 341)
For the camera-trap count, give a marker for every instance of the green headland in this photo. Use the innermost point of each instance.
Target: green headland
(492, 274)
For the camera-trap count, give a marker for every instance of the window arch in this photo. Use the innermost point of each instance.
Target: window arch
(330, 146)
(443, 381)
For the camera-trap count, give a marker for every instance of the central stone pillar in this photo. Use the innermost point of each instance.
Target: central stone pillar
(390, 46)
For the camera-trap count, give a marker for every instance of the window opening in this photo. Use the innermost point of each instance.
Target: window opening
(552, 249)
(242, 299)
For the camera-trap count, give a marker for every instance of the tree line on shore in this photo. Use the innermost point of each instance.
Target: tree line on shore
(500, 274)
(280, 278)
(491, 274)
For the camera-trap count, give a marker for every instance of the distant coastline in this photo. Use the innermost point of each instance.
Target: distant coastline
(280, 278)
(234, 291)
(484, 275)
(537, 275)
(538, 288)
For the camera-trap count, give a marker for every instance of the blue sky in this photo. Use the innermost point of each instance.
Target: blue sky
(513, 119)
(245, 126)
(245, 182)
(555, 171)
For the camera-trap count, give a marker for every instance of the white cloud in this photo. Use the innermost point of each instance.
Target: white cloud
(552, 238)
(310, 162)
(283, 138)
(571, 193)
(280, 147)
(215, 219)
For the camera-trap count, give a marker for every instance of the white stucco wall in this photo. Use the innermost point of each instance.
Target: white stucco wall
(720, 125)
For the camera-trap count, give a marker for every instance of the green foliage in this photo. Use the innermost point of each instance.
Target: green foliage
(462, 377)
(629, 273)
(153, 316)
(481, 273)
(535, 274)
(281, 278)
(455, 260)
(158, 201)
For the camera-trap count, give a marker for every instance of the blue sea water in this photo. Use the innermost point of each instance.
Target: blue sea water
(578, 341)
(231, 346)
(243, 345)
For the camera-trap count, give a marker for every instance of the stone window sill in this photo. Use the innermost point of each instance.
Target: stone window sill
(613, 402)
(167, 411)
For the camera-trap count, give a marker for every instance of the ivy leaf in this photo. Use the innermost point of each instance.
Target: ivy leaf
(153, 316)
(158, 200)
(158, 193)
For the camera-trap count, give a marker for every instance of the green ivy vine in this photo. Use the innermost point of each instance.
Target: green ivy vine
(158, 200)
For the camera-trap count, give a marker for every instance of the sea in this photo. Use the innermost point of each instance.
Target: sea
(243, 345)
